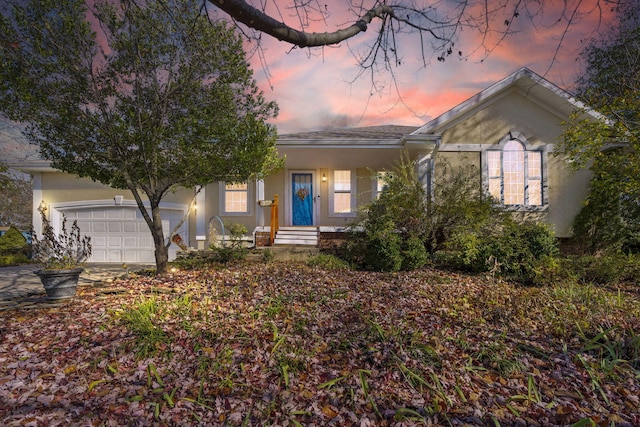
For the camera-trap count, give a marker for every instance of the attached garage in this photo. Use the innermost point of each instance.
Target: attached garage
(118, 233)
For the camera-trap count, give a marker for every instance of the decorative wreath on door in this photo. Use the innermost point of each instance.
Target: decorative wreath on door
(302, 194)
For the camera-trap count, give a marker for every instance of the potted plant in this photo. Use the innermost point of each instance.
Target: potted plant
(61, 258)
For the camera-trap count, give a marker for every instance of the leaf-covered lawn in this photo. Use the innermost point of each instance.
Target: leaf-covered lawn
(285, 344)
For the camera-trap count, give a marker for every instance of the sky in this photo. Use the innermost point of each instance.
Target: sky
(315, 89)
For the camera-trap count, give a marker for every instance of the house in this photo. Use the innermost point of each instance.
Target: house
(508, 130)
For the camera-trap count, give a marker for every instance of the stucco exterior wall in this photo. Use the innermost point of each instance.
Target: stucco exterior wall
(485, 128)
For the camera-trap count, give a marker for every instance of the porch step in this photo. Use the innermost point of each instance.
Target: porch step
(294, 236)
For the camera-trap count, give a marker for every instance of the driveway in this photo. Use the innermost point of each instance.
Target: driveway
(20, 281)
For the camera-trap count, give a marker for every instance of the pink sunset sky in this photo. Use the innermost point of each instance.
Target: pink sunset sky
(313, 89)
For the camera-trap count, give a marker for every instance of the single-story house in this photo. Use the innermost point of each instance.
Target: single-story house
(508, 130)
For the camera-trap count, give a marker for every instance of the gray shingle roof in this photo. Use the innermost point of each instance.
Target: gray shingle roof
(385, 132)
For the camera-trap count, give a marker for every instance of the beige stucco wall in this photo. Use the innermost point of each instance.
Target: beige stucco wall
(485, 127)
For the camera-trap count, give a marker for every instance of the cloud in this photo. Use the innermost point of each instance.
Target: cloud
(316, 89)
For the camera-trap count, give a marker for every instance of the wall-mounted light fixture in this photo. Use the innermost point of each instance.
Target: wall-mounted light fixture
(324, 177)
(42, 207)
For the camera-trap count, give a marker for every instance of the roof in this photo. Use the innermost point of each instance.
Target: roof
(524, 81)
(365, 134)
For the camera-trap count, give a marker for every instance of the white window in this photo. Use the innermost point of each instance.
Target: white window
(380, 183)
(514, 175)
(236, 198)
(342, 200)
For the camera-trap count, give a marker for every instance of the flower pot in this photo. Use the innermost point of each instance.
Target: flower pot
(60, 284)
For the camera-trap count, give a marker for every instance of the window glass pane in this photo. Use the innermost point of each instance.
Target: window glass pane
(535, 164)
(493, 162)
(513, 163)
(342, 202)
(495, 188)
(235, 197)
(513, 145)
(535, 192)
(342, 180)
(240, 186)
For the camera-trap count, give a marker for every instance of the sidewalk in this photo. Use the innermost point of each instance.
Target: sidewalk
(20, 281)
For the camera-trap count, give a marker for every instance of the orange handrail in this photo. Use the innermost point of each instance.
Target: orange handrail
(274, 220)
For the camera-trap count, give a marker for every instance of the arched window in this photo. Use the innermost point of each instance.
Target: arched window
(515, 174)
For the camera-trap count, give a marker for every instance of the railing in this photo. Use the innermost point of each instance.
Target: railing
(274, 220)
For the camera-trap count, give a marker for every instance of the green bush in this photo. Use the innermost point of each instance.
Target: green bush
(14, 249)
(605, 269)
(226, 254)
(527, 252)
(459, 207)
(8, 259)
(376, 242)
(414, 254)
(12, 239)
(390, 234)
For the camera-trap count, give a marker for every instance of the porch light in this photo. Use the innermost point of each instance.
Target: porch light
(42, 207)
(324, 177)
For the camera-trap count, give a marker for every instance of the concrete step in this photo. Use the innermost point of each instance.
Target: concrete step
(294, 236)
(302, 242)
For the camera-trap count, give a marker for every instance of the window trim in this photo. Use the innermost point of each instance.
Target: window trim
(223, 199)
(515, 135)
(352, 192)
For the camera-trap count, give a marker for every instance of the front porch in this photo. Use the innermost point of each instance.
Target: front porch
(321, 237)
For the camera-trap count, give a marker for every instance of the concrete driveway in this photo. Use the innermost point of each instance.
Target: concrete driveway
(20, 281)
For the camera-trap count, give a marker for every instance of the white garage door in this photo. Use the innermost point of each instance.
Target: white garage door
(120, 233)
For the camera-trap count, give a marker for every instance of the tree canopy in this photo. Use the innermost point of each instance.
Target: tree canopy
(148, 96)
(610, 85)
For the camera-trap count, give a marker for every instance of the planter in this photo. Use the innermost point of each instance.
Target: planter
(60, 284)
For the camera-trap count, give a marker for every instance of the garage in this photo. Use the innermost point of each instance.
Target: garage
(119, 234)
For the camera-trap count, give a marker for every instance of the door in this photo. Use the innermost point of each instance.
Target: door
(302, 198)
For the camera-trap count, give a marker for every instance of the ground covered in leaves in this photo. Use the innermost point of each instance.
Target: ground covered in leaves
(286, 344)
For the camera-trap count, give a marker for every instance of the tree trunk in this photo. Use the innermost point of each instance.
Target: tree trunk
(161, 249)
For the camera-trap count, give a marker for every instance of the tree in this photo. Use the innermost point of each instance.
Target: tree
(15, 187)
(15, 192)
(146, 96)
(609, 84)
(438, 26)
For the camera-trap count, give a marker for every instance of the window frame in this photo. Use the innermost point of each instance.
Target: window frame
(223, 199)
(527, 150)
(352, 194)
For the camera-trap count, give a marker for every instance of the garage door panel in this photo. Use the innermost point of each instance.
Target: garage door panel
(114, 256)
(98, 255)
(130, 242)
(98, 241)
(130, 227)
(99, 227)
(120, 233)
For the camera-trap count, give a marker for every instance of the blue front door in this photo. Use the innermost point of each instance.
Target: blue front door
(302, 198)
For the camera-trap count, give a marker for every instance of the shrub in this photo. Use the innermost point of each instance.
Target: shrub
(392, 227)
(414, 254)
(226, 254)
(605, 269)
(12, 239)
(459, 207)
(14, 249)
(526, 252)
